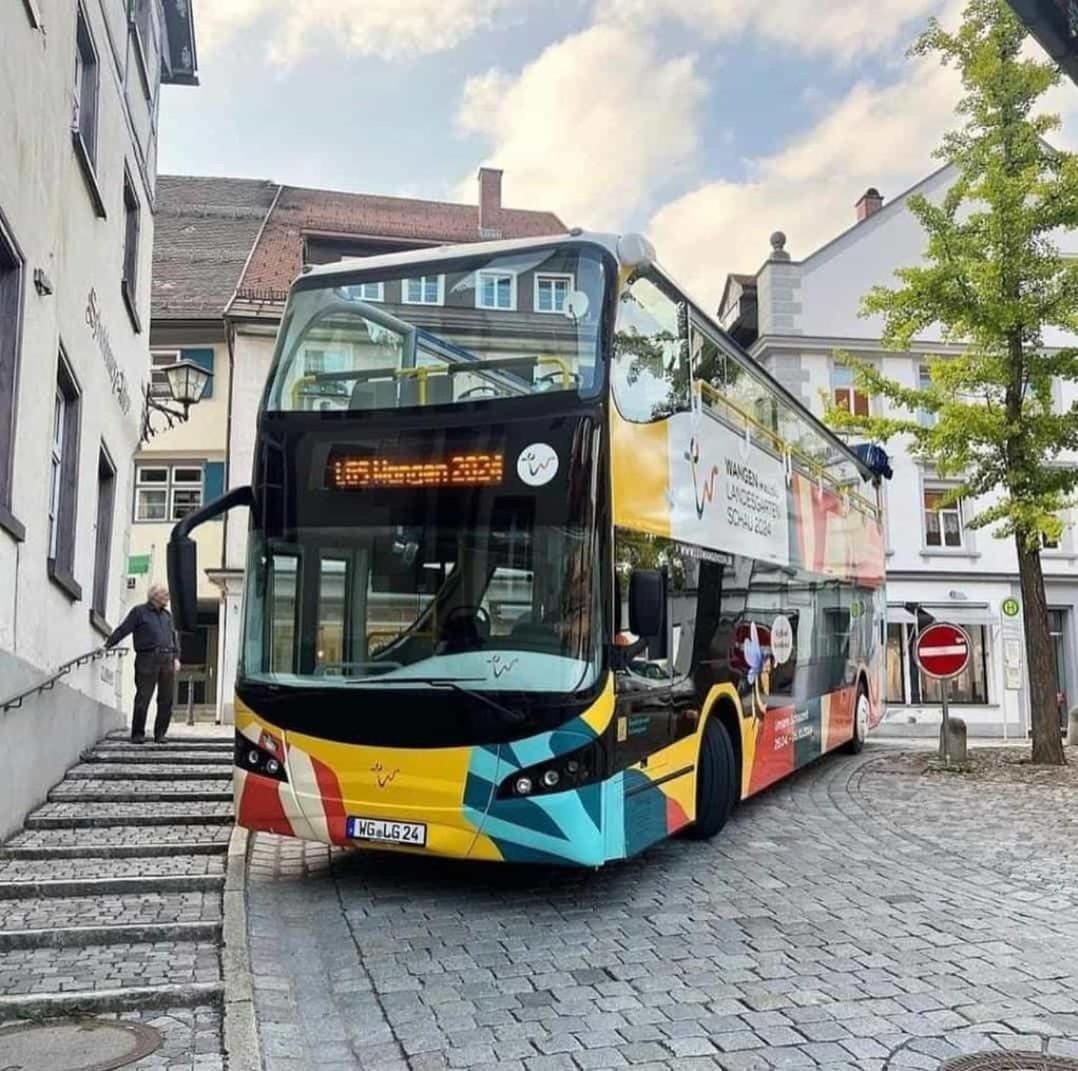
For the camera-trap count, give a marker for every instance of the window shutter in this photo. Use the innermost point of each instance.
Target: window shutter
(204, 358)
(213, 482)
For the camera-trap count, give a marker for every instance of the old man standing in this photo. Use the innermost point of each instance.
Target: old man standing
(157, 661)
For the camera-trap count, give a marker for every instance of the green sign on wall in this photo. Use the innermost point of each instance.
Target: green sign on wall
(138, 565)
(1010, 607)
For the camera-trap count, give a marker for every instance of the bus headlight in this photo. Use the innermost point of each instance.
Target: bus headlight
(559, 774)
(258, 760)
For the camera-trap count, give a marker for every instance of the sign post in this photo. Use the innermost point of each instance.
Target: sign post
(942, 652)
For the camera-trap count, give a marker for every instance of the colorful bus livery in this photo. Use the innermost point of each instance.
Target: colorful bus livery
(541, 567)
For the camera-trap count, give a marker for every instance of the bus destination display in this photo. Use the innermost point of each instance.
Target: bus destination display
(456, 470)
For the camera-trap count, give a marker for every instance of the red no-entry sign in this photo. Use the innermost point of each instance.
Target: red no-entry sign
(943, 651)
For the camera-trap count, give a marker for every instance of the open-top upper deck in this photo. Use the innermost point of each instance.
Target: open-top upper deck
(487, 323)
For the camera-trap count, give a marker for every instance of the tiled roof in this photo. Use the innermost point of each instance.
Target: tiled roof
(204, 229)
(278, 257)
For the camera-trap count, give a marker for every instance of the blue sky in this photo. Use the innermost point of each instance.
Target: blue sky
(706, 123)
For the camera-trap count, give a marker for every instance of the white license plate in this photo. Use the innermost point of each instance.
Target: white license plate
(414, 833)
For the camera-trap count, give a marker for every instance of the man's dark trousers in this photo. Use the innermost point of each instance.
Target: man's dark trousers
(153, 670)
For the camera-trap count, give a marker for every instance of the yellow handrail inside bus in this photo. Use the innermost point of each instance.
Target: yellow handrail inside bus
(563, 367)
(303, 381)
(814, 467)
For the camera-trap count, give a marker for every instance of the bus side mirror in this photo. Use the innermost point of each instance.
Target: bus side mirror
(183, 582)
(182, 555)
(647, 602)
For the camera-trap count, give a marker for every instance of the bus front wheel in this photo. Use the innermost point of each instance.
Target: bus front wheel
(716, 781)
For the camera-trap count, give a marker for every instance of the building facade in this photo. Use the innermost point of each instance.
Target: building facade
(796, 318)
(227, 253)
(80, 84)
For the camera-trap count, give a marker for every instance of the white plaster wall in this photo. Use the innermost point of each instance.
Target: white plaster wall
(834, 280)
(48, 208)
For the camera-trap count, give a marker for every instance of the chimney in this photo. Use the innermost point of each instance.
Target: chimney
(490, 202)
(871, 202)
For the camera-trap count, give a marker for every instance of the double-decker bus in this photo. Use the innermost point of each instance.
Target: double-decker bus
(542, 567)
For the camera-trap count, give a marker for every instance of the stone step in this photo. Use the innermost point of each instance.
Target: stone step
(186, 743)
(46, 1005)
(89, 968)
(98, 815)
(61, 865)
(108, 771)
(160, 756)
(77, 791)
(126, 909)
(122, 933)
(177, 734)
(117, 841)
(81, 887)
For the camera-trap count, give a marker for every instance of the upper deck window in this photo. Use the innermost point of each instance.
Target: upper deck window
(651, 367)
(470, 331)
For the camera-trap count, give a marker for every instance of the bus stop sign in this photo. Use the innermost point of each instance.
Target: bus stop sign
(942, 651)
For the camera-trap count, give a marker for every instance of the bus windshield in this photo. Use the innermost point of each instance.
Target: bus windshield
(500, 327)
(511, 607)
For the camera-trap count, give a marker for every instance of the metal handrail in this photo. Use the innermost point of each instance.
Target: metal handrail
(15, 701)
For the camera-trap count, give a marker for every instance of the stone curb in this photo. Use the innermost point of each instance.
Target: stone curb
(96, 1001)
(123, 933)
(242, 1049)
(13, 890)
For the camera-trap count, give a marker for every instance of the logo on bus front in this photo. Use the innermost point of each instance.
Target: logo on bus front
(537, 464)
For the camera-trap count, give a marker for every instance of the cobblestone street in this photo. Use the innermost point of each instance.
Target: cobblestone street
(861, 915)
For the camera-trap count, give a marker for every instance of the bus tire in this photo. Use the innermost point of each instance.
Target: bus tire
(860, 722)
(716, 781)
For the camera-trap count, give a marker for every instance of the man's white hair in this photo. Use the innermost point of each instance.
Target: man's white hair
(156, 589)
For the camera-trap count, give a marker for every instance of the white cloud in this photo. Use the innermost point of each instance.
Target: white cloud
(390, 29)
(845, 29)
(590, 127)
(874, 136)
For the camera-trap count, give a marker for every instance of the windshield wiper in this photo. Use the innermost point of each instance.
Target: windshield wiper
(514, 717)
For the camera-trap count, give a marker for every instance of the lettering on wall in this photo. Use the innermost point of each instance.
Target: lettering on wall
(100, 334)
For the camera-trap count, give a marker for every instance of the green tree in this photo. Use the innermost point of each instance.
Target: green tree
(993, 280)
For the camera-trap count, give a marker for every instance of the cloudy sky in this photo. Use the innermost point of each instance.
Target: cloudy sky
(705, 123)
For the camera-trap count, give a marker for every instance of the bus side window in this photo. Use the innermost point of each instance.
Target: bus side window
(650, 369)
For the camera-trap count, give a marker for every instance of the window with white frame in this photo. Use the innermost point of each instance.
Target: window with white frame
(368, 291)
(168, 492)
(552, 291)
(925, 418)
(845, 392)
(159, 359)
(942, 518)
(496, 290)
(424, 290)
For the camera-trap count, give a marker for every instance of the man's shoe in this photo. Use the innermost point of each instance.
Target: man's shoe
(160, 739)
(138, 740)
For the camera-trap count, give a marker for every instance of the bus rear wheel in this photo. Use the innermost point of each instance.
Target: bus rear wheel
(860, 722)
(716, 781)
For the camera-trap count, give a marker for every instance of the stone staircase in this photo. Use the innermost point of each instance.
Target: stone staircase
(111, 896)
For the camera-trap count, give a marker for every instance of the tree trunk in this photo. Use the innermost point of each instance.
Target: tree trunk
(1047, 739)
